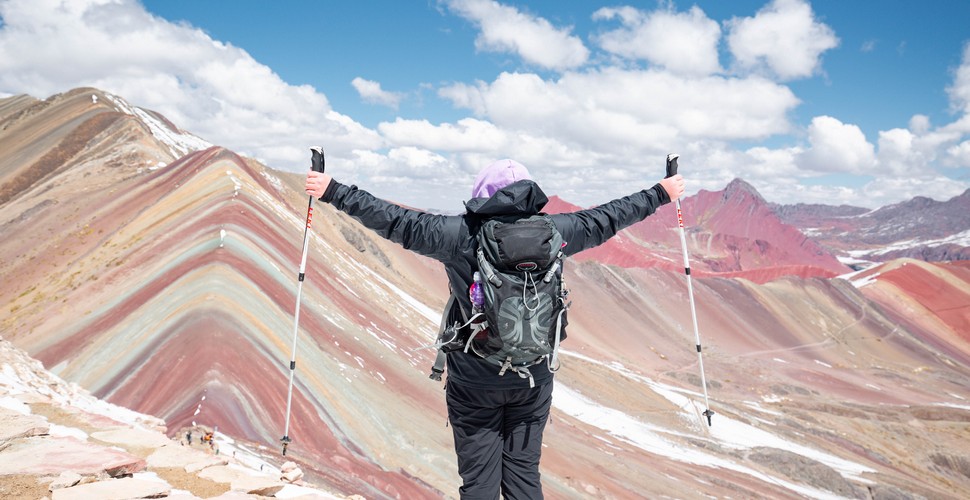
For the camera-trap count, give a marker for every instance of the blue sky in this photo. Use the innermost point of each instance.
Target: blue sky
(863, 102)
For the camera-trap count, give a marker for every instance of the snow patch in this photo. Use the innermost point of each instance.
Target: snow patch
(273, 180)
(179, 143)
(235, 182)
(959, 239)
(728, 432)
(58, 430)
(860, 282)
(954, 405)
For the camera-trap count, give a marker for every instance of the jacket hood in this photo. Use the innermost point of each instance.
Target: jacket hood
(523, 197)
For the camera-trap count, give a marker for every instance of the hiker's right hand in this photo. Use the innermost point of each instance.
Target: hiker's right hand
(674, 186)
(317, 183)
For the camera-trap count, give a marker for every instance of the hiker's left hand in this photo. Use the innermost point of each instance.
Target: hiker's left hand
(317, 183)
(674, 186)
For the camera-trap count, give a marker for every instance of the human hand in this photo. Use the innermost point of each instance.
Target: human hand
(674, 186)
(317, 183)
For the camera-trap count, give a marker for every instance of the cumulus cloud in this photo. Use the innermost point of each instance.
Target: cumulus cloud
(783, 38)
(959, 91)
(903, 188)
(682, 42)
(534, 39)
(465, 96)
(959, 155)
(468, 134)
(371, 91)
(837, 147)
(214, 89)
(900, 153)
(617, 107)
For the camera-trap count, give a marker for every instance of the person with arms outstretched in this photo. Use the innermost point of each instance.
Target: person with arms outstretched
(497, 419)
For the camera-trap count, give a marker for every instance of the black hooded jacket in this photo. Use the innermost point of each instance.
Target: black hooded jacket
(451, 240)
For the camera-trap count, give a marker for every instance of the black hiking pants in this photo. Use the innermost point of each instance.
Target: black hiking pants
(498, 440)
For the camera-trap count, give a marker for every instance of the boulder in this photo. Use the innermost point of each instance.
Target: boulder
(292, 475)
(114, 489)
(15, 425)
(244, 481)
(50, 456)
(132, 436)
(190, 459)
(65, 480)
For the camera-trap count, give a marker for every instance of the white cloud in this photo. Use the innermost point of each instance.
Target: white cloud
(534, 39)
(626, 108)
(960, 90)
(468, 134)
(766, 163)
(837, 147)
(215, 90)
(959, 155)
(903, 188)
(919, 124)
(465, 96)
(371, 91)
(684, 43)
(896, 153)
(783, 38)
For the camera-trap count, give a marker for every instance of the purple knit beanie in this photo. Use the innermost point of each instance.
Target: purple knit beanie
(498, 175)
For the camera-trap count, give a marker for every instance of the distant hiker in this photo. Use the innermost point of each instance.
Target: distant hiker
(497, 414)
(188, 437)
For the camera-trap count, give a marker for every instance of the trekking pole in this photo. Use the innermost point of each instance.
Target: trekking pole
(316, 163)
(672, 171)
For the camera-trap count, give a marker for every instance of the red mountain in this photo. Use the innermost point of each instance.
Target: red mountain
(730, 233)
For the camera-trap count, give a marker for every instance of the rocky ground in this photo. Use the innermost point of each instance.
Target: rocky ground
(59, 442)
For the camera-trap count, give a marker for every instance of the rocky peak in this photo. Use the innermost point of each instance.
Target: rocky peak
(739, 187)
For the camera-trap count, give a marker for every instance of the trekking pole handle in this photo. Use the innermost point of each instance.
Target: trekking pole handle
(316, 161)
(672, 165)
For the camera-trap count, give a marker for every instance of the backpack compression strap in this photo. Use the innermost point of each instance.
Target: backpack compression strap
(487, 269)
(439, 362)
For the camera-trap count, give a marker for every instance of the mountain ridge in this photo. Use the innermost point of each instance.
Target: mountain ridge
(921, 228)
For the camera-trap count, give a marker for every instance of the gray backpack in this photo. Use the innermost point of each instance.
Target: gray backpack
(520, 261)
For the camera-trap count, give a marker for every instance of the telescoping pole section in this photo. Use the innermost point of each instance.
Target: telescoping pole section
(671, 171)
(317, 164)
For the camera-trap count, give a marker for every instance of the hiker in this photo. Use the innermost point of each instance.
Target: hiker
(497, 420)
(188, 437)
